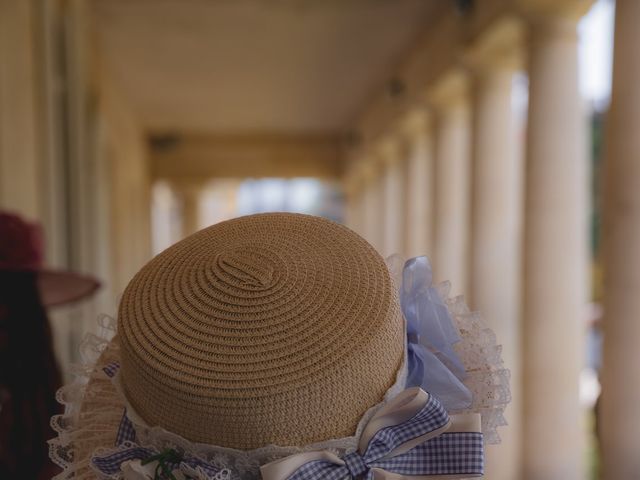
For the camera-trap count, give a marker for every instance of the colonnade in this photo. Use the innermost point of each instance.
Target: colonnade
(502, 213)
(500, 210)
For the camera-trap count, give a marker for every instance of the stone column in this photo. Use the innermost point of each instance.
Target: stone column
(372, 199)
(349, 209)
(621, 388)
(419, 185)
(166, 224)
(352, 191)
(190, 196)
(453, 136)
(394, 194)
(379, 184)
(555, 253)
(496, 222)
(359, 205)
(21, 168)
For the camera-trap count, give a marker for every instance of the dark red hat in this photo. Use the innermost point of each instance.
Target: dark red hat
(21, 249)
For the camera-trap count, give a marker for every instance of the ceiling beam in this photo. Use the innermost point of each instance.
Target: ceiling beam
(202, 156)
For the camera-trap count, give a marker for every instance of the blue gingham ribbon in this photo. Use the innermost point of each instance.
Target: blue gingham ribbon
(412, 436)
(110, 463)
(126, 432)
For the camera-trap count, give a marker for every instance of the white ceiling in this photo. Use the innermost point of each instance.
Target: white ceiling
(254, 65)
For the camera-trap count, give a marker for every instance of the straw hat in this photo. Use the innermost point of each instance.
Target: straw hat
(276, 328)
(21, 250)
(272, 335)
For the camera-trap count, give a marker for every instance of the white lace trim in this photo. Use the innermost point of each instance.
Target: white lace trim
(92, 415)
(487, 377)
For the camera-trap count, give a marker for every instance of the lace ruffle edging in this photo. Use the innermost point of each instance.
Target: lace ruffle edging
(91, 415)
(487, 377)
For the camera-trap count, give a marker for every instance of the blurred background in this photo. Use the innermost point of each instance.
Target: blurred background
(499, 137)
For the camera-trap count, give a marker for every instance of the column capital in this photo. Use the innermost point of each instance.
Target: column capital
(452, 89)
(367, 168)
(416, 123)
(543, 27)
(500, 47)
(570, 9)
(390, 150)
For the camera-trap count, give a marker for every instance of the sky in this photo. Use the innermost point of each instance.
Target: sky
(595, 53)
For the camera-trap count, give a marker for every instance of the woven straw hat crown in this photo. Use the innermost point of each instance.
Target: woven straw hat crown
(267, 329)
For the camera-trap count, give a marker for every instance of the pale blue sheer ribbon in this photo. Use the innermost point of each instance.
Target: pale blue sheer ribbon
(433, 362)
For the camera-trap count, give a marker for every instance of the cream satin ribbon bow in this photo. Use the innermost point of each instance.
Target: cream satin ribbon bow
(411, 437)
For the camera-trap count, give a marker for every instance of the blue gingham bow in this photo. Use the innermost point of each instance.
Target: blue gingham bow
(412, 437)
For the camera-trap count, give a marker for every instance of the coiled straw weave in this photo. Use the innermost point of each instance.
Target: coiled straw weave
(274, 328)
